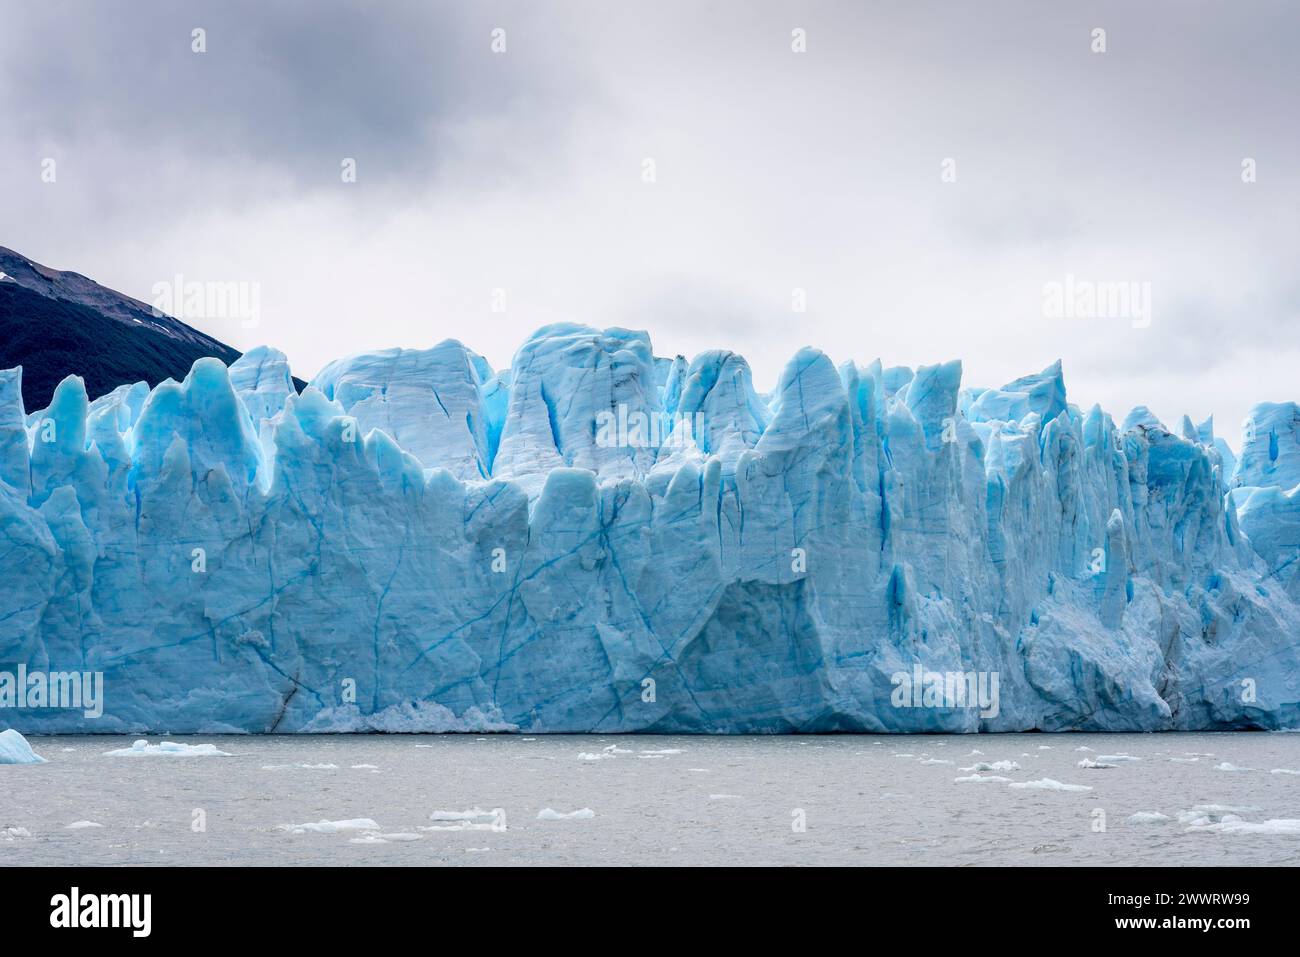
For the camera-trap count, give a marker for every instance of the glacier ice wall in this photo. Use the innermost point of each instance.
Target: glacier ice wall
(597, 539)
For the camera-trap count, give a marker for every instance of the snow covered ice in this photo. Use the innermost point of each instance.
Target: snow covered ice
(419, 542)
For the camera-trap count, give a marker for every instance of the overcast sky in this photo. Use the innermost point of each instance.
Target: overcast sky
(821, 171)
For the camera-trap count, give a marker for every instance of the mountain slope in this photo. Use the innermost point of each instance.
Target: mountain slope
(51, 339)
(55, 323)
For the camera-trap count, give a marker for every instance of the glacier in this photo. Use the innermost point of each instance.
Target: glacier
(419, 542)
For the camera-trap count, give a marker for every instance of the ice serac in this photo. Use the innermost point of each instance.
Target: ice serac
(429, 401)
(597, 539)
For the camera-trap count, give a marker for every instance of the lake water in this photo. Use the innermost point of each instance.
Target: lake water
(659, 800)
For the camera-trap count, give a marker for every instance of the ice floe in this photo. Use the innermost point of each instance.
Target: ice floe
(331, 827)
(993, 766)
(143, 748)
(1047, 784)
(474, 819)
(372, 837)
(582, 814)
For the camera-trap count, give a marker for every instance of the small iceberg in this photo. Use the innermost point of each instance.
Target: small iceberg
(1148, 817)
(372, 837)
(582, 814)
(14, 749)
(993, 766)
(1047, 784)
(1231, 824)
(143, 748)
(475, 819)
(331, 827)
(1089, 763)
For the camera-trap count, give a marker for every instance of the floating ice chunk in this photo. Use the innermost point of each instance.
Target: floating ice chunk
(331, 827)
(1184, 760)
(1225, 766)
(993, 766)
(14, 749)
(598, 756)
(365, 767)
(143, 748)
(1148, 817)
(661, 751)
(1283, 771)
(1044, 747)
(82, 825)
(475, 819)
(1203, 815)
(1089, 763)
(615, 749)
(1047, 784)
(973, 753)
(1116, 758)
(935, 761)
(1083, 748)
(1220, 809)
(13, 833)
(981, 778)
(1231, 824)
(582, 814)
(374, 838)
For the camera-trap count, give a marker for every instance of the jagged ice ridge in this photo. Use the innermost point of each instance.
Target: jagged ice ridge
(417, 542)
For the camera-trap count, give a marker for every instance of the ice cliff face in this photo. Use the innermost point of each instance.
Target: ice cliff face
(601, 540)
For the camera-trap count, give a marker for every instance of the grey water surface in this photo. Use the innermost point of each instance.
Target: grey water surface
(862, 799)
